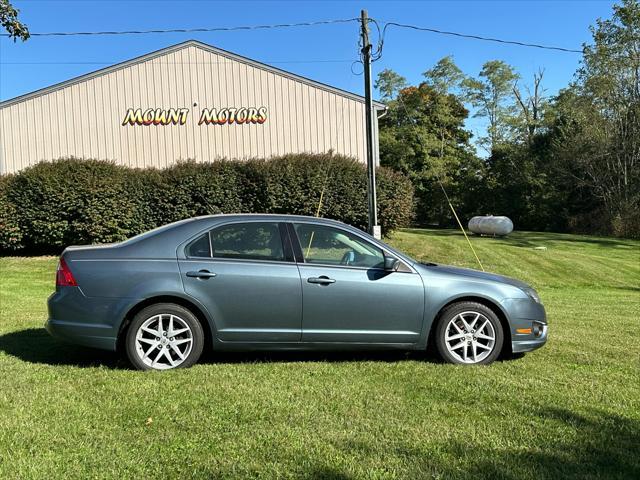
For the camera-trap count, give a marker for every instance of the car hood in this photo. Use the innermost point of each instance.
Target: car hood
(467, 272)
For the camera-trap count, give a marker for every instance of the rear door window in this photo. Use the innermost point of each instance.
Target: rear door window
(200, 247)
(248, 241)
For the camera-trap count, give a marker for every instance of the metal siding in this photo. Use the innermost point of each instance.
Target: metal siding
(298, 115)
(23, 139)
(246, 144)
(128, 147)
(204, 99)
(84, 119)
(187, 100)
(5, 153)
(233, 77)
(264, 98)
(144, 99)
(116, 94)
(54, 123)
(274, 100)
(285, 105)
(310, 136)
(220, 72)
(36, 143)
(100, 122)
(327, 140)
(177, 140)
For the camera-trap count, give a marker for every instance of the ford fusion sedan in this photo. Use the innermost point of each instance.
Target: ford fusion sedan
(248, 282)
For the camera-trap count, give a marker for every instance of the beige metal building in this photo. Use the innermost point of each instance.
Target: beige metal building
(187, 101)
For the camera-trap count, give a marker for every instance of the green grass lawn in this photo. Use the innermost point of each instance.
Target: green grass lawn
(569, 410)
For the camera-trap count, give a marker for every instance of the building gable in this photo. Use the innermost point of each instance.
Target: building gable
(90, 116)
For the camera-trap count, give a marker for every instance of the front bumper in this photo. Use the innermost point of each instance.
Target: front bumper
(521, 345)
(525, 314)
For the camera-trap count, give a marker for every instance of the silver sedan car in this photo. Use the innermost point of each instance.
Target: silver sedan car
(247, 282)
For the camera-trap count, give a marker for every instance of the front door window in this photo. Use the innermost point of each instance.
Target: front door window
(322, 245)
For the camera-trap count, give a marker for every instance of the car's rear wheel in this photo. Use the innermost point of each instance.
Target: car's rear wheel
(469, 333)
(164, 336)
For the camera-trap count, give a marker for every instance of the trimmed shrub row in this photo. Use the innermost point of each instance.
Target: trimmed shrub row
(74, 201)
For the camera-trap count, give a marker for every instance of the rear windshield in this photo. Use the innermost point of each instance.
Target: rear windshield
(153, 232)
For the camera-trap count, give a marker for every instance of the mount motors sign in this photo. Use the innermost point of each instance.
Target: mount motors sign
(208, 116)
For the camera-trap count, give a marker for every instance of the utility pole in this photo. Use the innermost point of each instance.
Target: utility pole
(374, 228)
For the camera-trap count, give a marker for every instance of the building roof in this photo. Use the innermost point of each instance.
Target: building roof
(180, 46)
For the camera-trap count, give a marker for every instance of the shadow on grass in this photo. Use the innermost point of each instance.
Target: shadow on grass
(302, 356)
(569, 445)
(600, 445)
(35, 345)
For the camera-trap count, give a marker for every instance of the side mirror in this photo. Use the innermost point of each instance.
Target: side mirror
(391, 264)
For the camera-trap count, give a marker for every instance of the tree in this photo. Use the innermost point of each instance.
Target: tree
(389, 83)
(597, 126)
(531, 108)
(9, 21)
(423, 136)
(445, 76)
(492, 95)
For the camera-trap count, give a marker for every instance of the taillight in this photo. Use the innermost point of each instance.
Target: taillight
(64, 277)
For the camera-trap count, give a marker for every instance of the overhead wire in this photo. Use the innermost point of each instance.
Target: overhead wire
(376, 54)
(477, 37)
(192, 30)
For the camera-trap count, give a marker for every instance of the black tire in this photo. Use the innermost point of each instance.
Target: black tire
(450, 313)
(183, 314)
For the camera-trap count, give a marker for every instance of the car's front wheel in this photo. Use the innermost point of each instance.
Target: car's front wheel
(164, 336)
(469, 333)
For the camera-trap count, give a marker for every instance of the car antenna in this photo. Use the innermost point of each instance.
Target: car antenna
(324, 187)
(413, 124)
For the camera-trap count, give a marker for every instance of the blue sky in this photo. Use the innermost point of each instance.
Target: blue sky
(323, 53)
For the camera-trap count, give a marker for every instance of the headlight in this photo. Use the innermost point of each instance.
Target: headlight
(532, 294)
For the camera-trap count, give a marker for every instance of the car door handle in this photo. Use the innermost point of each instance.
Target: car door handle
(201, 274)
(323, 280)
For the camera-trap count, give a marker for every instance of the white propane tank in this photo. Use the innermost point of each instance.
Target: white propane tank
(490, 225)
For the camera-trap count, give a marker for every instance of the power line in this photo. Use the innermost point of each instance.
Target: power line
(193, 30)
(375, 55)
(473, 37)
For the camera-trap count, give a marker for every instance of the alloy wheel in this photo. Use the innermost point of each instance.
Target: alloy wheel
(163, 341)
(470, 337)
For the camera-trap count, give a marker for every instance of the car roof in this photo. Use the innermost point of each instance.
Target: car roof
(163, 240)
(268, 216)
(172, 232)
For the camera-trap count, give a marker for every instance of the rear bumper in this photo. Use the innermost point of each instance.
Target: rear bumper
(89, 321)
(89, 335)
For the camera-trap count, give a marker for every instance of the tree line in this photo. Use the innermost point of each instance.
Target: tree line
(570, 162)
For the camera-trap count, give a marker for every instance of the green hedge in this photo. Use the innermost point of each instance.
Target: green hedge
(71, 201)
(10, 233)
